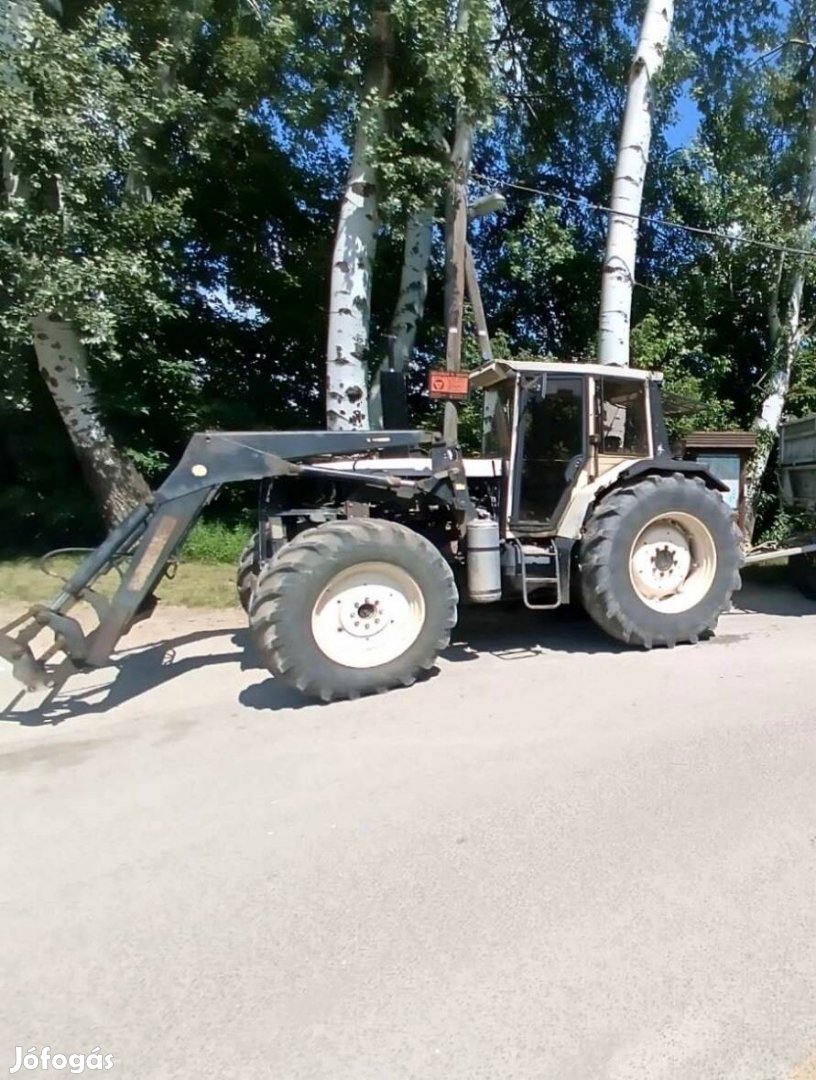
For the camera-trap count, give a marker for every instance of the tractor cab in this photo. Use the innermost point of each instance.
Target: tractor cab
(563, 429)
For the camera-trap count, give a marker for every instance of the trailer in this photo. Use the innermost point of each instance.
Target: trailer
(797, 493)
(796, 479)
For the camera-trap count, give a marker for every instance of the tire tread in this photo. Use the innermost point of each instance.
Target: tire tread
(309, 552)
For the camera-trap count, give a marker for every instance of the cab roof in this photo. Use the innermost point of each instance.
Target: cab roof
(499, 370)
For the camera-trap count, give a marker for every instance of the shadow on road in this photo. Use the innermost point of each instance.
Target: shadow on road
(138, 670)
(516, 633)
(507, 633)
(769, 593)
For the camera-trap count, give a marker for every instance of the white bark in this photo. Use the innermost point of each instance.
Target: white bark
(355, 246)
(410, 305)
(63, 363)
(618, 277)
(785, 334)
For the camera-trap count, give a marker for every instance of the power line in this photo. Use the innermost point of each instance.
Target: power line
(587, 204)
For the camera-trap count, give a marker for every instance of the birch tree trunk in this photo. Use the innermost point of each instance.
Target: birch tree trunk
(618, 277)
(63, 362)
(355, 246)
(410, 305)
(785, 331)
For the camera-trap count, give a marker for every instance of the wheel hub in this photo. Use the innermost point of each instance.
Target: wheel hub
(362, 618)
(673, 562)
(662, 560)
(368, 615)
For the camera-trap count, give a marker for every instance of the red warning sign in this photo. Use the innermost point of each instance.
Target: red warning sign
(449, 385)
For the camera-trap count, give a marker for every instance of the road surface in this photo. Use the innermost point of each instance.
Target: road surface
(553, 860)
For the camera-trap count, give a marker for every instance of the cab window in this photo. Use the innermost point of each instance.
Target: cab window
(497, 425)
(622, 417)
(551, 445)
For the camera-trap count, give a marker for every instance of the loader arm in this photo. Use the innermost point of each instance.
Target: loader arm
(151, 534)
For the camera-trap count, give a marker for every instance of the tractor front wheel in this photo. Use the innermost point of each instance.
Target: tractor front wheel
(352, 608)
(247, 573)
(659, 561)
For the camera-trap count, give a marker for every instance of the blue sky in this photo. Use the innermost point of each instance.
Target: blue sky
(683, 130)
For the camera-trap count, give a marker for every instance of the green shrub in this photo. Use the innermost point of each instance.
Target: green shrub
(215, 542)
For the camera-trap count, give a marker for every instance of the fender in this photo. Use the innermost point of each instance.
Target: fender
(666, 465)
(583, 498)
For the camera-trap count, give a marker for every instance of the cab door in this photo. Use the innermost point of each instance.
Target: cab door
(551, 449)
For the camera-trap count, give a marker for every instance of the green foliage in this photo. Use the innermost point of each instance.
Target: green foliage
(178, 167)
(79, 111)
(215, 542)
(780, 524)
(671, 343)
(538, 250)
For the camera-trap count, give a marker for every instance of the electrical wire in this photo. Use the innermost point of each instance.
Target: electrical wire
(586, 203)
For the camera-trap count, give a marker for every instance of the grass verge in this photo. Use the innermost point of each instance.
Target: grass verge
(196, 584)
(205, 576)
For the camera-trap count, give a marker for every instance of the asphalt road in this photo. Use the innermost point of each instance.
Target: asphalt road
(553, 860)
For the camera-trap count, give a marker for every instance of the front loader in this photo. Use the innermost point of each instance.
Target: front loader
(368, 541)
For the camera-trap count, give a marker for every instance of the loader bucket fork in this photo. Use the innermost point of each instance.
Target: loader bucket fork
(142, 546)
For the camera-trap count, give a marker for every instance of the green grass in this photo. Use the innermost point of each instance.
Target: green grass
(205, 576)
(196, 584)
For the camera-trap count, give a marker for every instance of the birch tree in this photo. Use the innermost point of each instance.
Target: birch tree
(63, 362)
(61, 355)
(76, 256)
(410, 306)
(786, 329)
(355, 246)
(618, 276)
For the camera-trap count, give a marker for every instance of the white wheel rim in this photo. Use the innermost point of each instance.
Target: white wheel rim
(368, 615)
(673, 562)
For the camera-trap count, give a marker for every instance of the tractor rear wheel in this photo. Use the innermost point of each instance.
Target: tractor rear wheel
(247, 574)
(659, 561)
(352, 608)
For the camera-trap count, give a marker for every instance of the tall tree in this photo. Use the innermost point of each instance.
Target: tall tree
(618, 278)
(410, 306)
(355, 245)
(786, 328)
(76, 101)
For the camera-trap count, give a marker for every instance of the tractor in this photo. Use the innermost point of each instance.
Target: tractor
(368, 541)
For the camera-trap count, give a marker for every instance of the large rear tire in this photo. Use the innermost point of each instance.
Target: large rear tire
(353, 608)
(659, 561)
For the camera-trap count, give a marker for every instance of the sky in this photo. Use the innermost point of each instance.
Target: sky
(683, 130)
